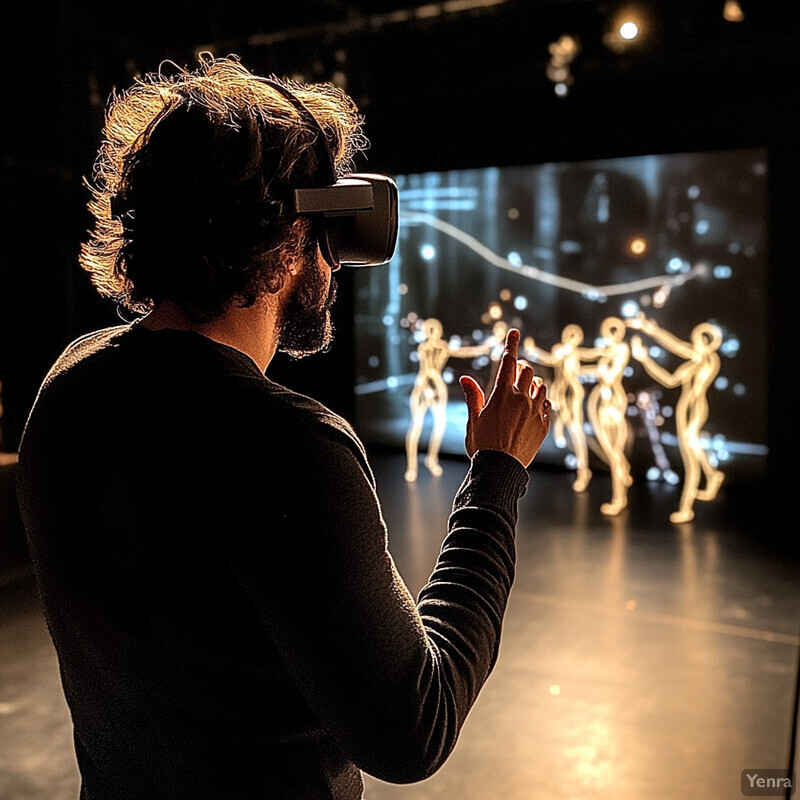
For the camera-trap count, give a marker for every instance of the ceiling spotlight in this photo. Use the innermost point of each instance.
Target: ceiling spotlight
(626, 28)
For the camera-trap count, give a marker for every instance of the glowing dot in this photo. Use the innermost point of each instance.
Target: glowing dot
(693, 192)
(732, 11)
(701, 227)
(413, 356)
(402, 288)
(672, 478)
(515, 259)
(561, 89)
(513, 213)
(730, 347)
(520, 303)
(722, 272)
(721, 383)
(495, 311)
(455, 342)
(629, 30)
(374, 361)
(428, 252)
(566, 45)
(505, 295)
(629, 309)
(392, 382)
(412, 316)
(674, 264)
(477, 334)
(555, 690)
(734, 248)
(653, 474)
(447, 375)
(388, 320)
(739, 390)
(638, 246)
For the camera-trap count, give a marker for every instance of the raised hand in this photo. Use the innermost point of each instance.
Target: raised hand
(515, 419)
(638, 350)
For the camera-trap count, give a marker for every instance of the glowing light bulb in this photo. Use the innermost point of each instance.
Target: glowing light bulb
(629, 30)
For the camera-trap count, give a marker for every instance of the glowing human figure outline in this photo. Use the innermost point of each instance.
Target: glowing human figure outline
(695, 376)
(566, 392)
(607, 408)
(430, 393)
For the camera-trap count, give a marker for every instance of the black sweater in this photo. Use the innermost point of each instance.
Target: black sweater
(213, 566)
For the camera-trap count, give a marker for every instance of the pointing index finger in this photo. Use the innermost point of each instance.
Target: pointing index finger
(512, 342)
(508, 366)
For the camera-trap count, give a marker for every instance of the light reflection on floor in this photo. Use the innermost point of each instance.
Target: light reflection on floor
(639, 660)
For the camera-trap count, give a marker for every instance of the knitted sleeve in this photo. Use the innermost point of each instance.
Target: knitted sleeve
(391, 679)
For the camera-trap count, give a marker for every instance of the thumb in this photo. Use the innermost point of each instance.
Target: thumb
(473, 394)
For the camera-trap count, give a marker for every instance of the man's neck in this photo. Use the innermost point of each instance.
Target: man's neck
(253, 330)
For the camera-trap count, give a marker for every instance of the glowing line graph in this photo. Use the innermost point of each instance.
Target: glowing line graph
(535, 273)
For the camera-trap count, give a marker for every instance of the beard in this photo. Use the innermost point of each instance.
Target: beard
(305, 325)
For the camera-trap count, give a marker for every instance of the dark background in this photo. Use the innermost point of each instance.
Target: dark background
(442, 87)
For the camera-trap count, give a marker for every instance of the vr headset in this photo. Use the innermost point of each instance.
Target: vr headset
(357, 214)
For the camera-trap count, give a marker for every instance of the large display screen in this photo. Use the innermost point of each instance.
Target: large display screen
(663, 253)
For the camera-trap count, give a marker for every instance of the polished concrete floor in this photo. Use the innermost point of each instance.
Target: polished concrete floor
(640, 660)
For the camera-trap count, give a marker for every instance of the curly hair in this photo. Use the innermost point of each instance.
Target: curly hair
(189, 182)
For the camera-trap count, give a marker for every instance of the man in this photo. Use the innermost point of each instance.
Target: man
(209, 547)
